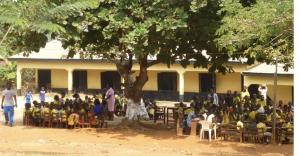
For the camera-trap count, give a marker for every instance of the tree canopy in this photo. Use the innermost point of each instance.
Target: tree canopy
(209, 32)
(260, 30)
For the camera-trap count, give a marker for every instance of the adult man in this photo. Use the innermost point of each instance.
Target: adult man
(9, 100)
(213, 97)
(263, 90)
(110, 98)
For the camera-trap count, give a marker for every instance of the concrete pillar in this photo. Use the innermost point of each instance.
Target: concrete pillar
(181, 85)
(36, 80)
(122, 82)
(19, 80)
(70, 80)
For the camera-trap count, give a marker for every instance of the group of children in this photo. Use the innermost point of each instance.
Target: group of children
(68, 111)
(248, 111)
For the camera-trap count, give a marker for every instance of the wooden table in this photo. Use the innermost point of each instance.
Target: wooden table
(194, 127)
(163, 111)
(173, 111)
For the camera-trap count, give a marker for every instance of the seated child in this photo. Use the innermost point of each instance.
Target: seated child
(287, 129)
(262, 128)
(36, 112)
(73, 119)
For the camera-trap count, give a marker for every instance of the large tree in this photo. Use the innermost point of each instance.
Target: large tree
(257, 29)
(127, 32)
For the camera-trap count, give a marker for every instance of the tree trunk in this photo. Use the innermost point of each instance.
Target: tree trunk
(133, 88)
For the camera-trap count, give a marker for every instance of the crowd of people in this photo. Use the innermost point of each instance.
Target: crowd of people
(243, 109)
(247, 111)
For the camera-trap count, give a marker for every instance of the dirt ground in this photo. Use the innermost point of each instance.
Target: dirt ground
(35, 141)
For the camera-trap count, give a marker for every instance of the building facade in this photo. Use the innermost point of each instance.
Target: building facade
(55, 72)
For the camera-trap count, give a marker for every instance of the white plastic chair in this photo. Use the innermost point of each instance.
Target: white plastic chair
(210, 117)
(205, 116)
(206, 127)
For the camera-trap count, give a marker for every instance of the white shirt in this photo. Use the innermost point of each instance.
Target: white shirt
(210, 117)
(8, 100)
(261, 110)
(263, 92)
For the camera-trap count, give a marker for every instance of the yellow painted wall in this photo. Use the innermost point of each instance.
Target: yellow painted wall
(59, 78)
(284, 93)
(226, 82)
(151, 84)
(93, 79)
(269, 80)
(191, 82)
(67, 64)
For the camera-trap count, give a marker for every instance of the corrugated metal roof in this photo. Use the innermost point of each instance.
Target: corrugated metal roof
(54, 51)
(268, 69)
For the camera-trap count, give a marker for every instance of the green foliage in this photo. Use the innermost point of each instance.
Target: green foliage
(26, 26)
(260, 31)
(8, 72)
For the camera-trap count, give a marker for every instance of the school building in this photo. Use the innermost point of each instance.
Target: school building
(57, 73)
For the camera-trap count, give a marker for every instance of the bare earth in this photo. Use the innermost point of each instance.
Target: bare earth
(35, 141)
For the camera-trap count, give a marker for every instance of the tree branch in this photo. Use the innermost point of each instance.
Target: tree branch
(5, 35)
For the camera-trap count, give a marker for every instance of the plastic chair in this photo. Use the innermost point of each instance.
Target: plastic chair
(206, 127)
(205, 116)
(210, 117)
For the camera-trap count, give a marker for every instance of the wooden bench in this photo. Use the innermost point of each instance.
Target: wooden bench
(230, 130)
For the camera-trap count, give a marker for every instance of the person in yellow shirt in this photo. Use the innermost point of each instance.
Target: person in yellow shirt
(261, 101)
(252, 115)
(245, 92)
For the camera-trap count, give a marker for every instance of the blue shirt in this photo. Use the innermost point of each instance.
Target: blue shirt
(190, 118)
(28, 97)
(97, 109)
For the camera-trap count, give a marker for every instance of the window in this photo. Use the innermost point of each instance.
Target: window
(112, 78)
(167, 81)
(206, 82)
(80, 80)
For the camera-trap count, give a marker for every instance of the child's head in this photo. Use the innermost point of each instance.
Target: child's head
(42, 88)
(228, 92)
(76, 95)
(280, 103)
(262, 97)
(97, 102)
(245, 88)
(56, 98)
(63, 94)
(35, 103)
(235, 93)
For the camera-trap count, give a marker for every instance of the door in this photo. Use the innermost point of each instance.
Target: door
(44, 79)
(167, 81)
(80, 80)
(253, 89)
(206, 82)
(111, 78)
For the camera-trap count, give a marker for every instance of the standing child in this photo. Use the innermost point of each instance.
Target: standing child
(42, 96)
(28, 97)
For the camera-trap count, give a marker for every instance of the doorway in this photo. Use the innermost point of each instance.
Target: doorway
(80, 80)
(44, 79)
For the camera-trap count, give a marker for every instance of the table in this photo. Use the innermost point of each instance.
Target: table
(173, 111)
(160, 113)
(194, 127)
